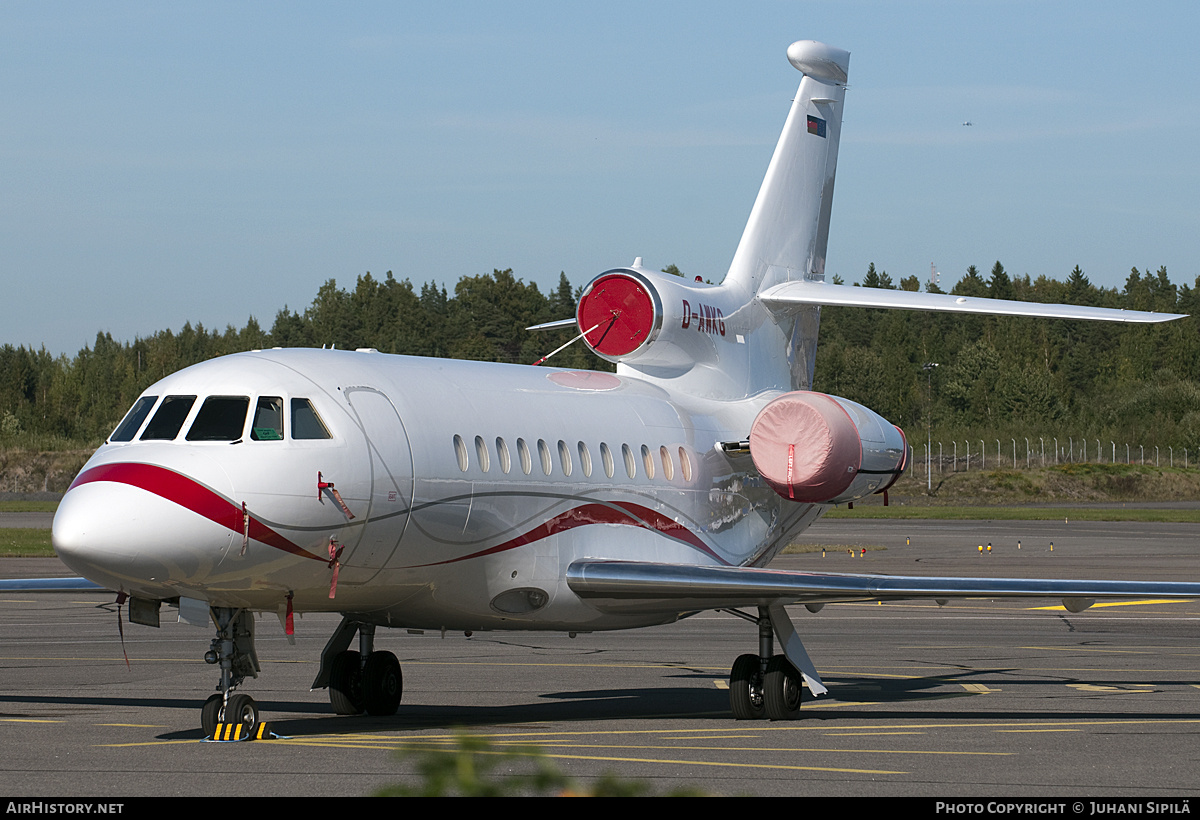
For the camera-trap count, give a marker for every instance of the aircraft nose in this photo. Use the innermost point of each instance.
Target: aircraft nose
(120, 526)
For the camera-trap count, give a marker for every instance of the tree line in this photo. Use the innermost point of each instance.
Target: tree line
(994, 376)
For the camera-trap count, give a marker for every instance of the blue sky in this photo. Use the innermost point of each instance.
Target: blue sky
(166, 162)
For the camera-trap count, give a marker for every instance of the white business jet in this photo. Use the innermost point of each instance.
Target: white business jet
(459, 495)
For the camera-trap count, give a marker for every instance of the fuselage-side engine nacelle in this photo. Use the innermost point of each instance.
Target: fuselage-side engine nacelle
(651, 321)
(820, 449)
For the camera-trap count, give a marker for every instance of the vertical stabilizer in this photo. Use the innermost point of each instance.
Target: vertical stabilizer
(788, 229)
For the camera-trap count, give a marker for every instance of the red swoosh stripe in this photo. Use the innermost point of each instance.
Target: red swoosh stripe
(628, 514)
(192, 495)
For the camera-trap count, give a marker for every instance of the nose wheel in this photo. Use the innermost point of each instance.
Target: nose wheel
(233, 650)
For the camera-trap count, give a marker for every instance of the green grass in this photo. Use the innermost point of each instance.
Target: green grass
(25, 542)
(28, 506)
(1017, 514)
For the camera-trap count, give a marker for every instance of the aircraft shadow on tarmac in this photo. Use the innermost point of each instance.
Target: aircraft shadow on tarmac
(658, 703)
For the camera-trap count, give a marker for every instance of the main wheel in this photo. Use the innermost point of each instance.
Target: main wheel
(345, 683)
(783, 689)
(382, 684)
(210, 714)
(746, 688)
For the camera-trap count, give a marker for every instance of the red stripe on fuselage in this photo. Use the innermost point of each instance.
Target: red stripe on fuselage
(192, 495)
(619, 512)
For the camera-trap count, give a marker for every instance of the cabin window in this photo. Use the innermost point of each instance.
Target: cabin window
(585, 459)
(481, 453)
(128, 427)
(221, 418)
(647, 461)
(523, 454)
(168, 421)
(630, 463)
(460, 452)
(606, 456)
(502, 455)
(544, 455)
(685, 464)
(564, 457)
(306, 424)
(268, 419)
(668, 467)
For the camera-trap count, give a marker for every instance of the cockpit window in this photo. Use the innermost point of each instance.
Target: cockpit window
(221, 418)
(306, 424)
(268, 419)
(169, 418)
(128, 427)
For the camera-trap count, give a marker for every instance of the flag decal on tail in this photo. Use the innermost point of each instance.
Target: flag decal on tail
(816, 125)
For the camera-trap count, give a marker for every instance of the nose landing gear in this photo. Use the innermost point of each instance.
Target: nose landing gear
(233, 650)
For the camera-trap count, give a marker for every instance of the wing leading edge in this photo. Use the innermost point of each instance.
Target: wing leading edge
(630, 586)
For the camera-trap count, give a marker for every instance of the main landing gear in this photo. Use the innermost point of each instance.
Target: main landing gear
(364, 681)
(766, 684)
(233, 649)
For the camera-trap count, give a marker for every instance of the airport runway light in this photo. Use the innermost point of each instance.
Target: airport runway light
(1026, 453)
(1156, 456)
(1056, 449)
(1014, 441)
(1043, 441)
(1099, 453)
(1142, 447)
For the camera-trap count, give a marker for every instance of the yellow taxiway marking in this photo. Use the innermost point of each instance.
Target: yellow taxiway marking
(135, 725)
(1061, 608)
(869, 734)
(1123, 689)
(370, 741)
(978, 688)
(1033, 731)
(29, 720)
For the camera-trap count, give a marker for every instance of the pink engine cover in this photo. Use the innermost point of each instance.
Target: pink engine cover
(806, 447)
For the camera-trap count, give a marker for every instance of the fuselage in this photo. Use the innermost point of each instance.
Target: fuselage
(468, 489)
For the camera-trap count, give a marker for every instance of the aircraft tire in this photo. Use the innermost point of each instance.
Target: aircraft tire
(345, 683)
(382, 684)
(783, 689)
(746, 688)
(210, 714)
(242, 709)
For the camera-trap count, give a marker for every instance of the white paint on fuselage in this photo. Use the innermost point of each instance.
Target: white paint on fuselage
(417, 551)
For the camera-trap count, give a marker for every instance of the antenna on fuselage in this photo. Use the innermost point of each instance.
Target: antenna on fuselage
(615, 314)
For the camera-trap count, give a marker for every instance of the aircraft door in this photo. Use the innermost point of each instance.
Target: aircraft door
(391, 482)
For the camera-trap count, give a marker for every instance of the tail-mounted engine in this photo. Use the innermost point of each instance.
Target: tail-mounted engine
(820, 449)
(646, 319)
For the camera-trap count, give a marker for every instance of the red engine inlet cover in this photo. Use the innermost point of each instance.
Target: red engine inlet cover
(806, 447)
(618, 313)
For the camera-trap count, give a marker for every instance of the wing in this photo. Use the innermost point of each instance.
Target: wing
(791, 294)
(629, 586)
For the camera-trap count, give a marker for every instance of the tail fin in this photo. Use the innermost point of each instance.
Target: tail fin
(788, 229)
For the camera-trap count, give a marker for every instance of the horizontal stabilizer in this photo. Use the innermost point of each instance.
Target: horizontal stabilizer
(630, 586)
(796, 294)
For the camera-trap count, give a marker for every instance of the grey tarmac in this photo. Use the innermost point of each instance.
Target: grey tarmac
(975, 699)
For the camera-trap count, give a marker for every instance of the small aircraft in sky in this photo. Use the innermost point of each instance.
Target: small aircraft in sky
(459, 495)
